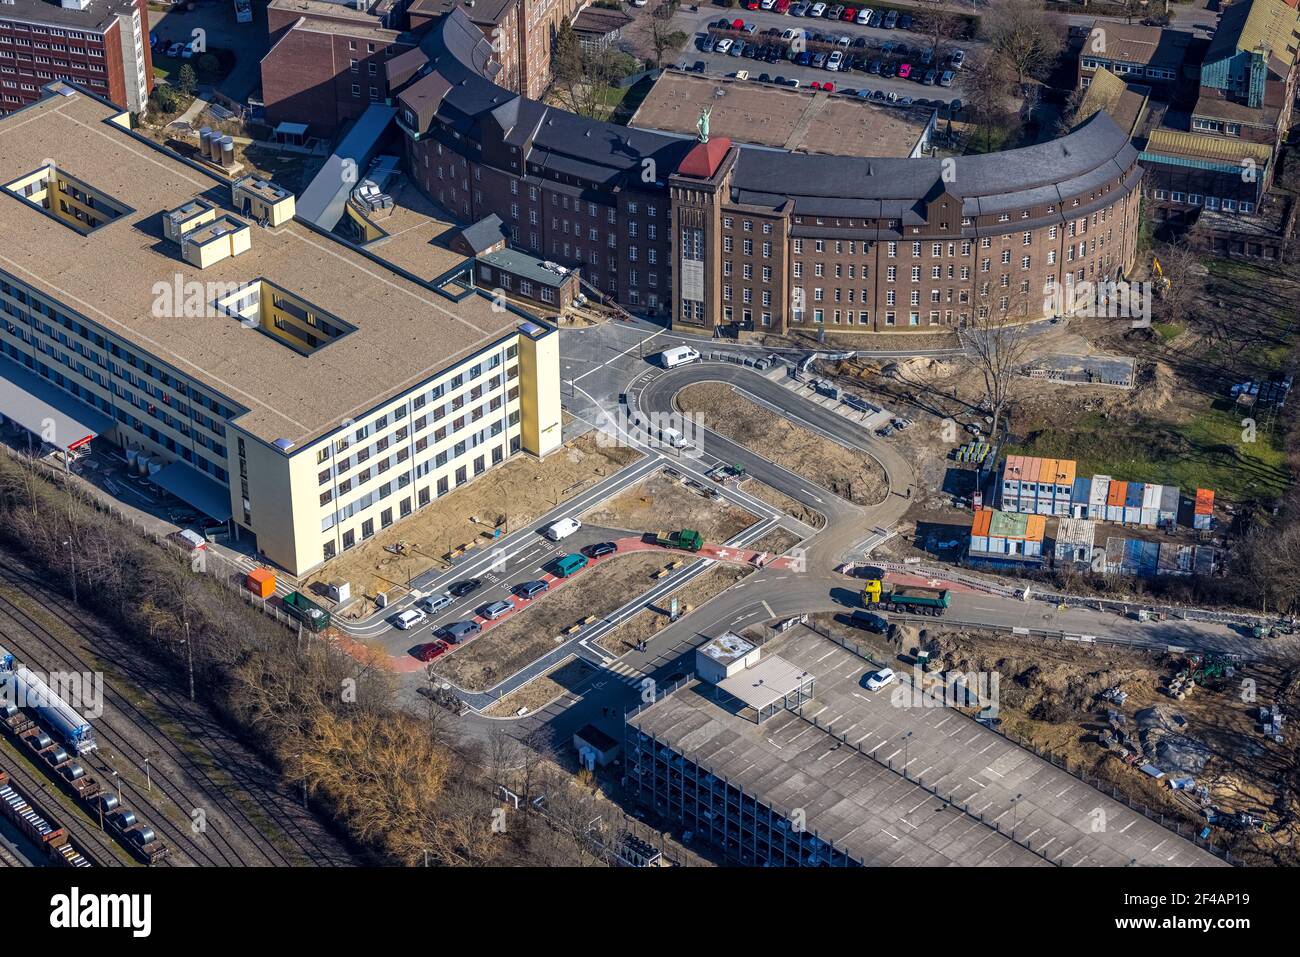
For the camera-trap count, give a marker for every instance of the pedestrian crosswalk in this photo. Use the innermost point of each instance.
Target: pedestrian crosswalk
(626, 673)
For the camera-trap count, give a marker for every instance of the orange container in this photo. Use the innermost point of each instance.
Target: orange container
(1117, 493)
(261, 582)
(1204, 501)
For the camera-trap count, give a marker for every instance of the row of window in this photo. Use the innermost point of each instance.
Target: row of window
(349, 537)
(1209, 202)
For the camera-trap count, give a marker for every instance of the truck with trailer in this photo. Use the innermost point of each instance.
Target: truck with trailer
(911, 599)
(687, 539)
(303, 609)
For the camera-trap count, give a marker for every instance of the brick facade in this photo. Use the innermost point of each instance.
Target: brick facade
(43, 42)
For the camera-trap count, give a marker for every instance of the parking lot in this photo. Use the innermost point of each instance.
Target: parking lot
(867, 54)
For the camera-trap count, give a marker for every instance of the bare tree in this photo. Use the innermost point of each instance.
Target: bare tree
(663, 37)
(1024, 36)
(997, 344)
(985, 81)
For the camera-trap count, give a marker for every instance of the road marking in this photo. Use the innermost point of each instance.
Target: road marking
(768, 608)
(980, 783)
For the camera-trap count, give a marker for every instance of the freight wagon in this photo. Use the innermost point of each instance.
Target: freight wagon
(50, 837)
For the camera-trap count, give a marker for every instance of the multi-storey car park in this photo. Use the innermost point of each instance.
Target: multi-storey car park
(717, 236)
(285, 380)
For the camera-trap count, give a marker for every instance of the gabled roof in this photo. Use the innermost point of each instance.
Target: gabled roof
(1257, 25)
(1198, 145)
(1125, 104)
(483, 235)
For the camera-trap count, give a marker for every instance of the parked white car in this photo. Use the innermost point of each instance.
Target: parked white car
(835, 60)
(878, 679)
(817, 10)
(410, 619)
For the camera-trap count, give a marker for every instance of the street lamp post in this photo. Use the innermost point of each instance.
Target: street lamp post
(148, 781)
(905, 753)
(1014, 801)
(72, 567)
(118, 778)
(189, 653)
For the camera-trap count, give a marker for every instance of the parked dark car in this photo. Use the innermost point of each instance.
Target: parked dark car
(466, 587)
(870, 622)
(601, 549)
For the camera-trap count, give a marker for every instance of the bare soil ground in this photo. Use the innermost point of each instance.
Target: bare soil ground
(765, 493)
(777, 542)
(521, 639)
(662, 500)
(514, 494)
(647, 623)
(543, 689)
(1050, 697)
(849, 473)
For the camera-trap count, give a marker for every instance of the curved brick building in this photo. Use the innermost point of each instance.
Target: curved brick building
(719, 236)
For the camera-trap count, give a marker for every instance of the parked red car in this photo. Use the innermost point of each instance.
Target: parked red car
(850, 14)
(828, 87)
(737, 24)
(432, 650)
(782, 6)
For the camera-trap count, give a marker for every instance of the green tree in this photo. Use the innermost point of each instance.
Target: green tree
(187, 80)
(165, 99)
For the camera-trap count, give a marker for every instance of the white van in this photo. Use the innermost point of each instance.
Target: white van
(678, 356)
(563, 529)
(673, 438)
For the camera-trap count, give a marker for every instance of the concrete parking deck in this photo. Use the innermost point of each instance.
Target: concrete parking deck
(1072, 822)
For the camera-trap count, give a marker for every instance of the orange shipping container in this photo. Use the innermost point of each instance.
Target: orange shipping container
(1118, 492)
(983, 517)
(1204, 501)
(261, 582)
(1035, 528)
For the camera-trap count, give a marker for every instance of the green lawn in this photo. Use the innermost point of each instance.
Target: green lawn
(1208, 452)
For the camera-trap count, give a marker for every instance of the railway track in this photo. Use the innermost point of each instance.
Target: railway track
(210, 847)
(233, 837)
(101, 849)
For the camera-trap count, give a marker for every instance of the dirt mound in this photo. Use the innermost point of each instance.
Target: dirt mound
(1155, 391)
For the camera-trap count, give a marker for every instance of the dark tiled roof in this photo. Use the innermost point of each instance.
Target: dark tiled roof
(564, 144)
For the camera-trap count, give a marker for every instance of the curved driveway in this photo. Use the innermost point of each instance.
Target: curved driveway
(847, 524)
